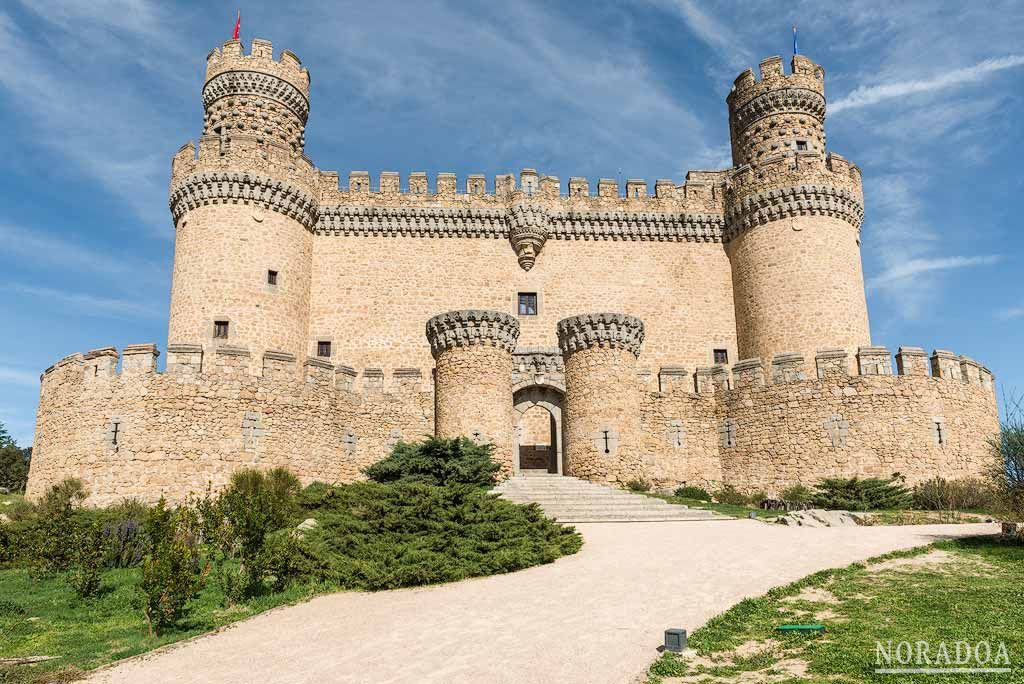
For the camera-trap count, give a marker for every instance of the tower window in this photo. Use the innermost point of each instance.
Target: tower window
(527, 303)
(721, 356)
(271, 277)
(323, 349)
(801, 145)
(220, 330)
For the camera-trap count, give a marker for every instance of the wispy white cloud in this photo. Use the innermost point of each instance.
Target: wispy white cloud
(912, 268)
(12, 375)
(864, 96)
(714, 33)
(85, 304)
(1010, 313)
(48, 250)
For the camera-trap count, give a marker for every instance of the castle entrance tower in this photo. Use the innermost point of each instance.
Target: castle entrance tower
(602, 397)
(244, 206)
(793, 216)
(473, 378)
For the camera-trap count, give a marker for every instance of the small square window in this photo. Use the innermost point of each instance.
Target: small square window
(271, 277)
(527, 303)
(801, 145)
(721, 356)
(323, 349)
(220, 330)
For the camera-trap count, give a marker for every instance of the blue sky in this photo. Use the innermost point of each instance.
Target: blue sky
(95, 97)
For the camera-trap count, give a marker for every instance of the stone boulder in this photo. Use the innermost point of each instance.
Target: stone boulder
(818, 517)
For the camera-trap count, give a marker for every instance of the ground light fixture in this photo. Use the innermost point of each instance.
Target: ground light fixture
(675, 640)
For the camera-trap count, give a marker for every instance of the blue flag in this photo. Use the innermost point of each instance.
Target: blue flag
(795, 50)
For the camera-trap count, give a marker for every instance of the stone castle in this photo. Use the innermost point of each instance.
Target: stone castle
(739, 352)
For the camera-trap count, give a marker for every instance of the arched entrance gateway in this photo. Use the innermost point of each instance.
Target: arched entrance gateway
(538, 394)
(537, 432)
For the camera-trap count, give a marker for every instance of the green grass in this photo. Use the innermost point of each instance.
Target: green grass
(44, 618)
(724, 509)
(977, 597)
(7, 499)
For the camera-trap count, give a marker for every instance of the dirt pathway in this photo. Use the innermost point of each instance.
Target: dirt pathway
(595, 617)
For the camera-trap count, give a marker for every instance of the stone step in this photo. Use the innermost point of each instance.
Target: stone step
(569, 499)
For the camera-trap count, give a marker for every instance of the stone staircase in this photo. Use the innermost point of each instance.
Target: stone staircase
(572, 500)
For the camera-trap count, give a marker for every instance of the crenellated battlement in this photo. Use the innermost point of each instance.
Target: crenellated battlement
(231, 57)
(833, 365)
(702, 191)
(190, 363)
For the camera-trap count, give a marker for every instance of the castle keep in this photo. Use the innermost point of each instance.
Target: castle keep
(708, 332)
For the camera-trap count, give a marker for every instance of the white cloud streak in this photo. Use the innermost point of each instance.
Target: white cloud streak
(83, 303)
(912, 268)
(12, 375)
(1010, 313)
(865, 96)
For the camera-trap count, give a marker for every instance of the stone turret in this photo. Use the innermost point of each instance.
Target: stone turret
(793, 216)
(473, 377)
(602, 397)
(244, 209)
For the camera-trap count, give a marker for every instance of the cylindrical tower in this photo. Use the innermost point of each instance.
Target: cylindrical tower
(793, 216)
(473, 378)
(602, 396)
(245, 207)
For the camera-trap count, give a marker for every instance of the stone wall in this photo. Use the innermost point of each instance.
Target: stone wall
(145, 434)
(767, 426)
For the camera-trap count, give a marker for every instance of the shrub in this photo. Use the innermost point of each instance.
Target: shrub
(639, 485)
(730, 495)
(862, 495)
(797, 493)
(1007, 471)
(255, 505)
(696, 493)
(437, 461)
(60, 499)
(373, 536)
(939, 494)
(173, 572)
(89, 549)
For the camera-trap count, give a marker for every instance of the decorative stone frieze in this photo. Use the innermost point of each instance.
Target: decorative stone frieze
(528, 231)
(213, 187)
(526, 218)
(470, 327)
(600, 330)
(256, 84)
(800, 100)
(803, 200)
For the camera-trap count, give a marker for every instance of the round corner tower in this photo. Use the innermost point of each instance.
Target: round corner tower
(472, 351)
(793, 216)
(244, 207)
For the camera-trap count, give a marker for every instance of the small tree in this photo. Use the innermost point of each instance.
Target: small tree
(13, 467)
(240, 521)
(89, 550)
(173, 572)
(1007, 471)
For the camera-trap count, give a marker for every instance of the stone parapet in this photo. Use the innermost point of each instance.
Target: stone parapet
(472, 327)
(600, 330)
(874, 361)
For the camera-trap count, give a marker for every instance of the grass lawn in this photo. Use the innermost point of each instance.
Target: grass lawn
(45, 618)
(964, 590)
(724, 509)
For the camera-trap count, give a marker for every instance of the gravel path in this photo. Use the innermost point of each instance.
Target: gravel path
(594, 617)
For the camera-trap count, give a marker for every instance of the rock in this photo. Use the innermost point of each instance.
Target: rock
(818, 517)
(4, 490)
(1013, 529)
(4, 518)
(305, 526)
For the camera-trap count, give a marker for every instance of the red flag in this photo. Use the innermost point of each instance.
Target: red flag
(238, 25)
